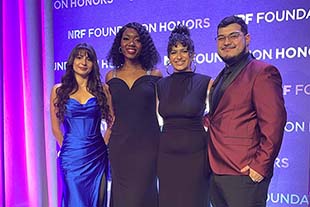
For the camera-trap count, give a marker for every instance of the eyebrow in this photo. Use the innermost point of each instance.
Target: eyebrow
(229, 33)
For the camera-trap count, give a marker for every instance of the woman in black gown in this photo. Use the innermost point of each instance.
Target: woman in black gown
(133, 145)
(182, 164)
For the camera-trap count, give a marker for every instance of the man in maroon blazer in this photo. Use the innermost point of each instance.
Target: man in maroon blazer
(245, 123)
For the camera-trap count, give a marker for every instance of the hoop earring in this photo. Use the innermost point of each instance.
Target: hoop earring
(167, 67)
(120, 50)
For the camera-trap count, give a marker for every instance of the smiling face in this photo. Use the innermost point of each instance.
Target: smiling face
(130, 44)
(82, 64)
(231, 42)
(180, 58)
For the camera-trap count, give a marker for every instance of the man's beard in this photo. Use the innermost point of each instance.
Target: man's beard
(234, 59)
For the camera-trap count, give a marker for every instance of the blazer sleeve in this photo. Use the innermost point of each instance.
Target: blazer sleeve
(271, 115)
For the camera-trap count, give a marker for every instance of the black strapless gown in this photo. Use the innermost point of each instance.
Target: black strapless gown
(133, 145)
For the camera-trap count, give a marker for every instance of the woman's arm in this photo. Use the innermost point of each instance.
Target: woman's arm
(107, 134)
(54, 120)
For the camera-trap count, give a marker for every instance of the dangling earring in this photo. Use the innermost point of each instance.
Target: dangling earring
(167, 67)
(120, 50)
(194, 61)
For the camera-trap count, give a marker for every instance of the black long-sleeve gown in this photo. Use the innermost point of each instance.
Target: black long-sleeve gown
(183, 141)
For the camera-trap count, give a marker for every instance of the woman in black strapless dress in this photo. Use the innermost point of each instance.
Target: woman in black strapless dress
(134, 140)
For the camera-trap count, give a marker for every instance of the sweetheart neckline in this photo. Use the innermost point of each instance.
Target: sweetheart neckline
(134, 83)
(84, 102)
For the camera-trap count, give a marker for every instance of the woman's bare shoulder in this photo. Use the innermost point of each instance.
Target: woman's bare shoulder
(109, 75)
(156, 72)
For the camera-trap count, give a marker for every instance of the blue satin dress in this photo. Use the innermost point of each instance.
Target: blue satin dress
(83, 156)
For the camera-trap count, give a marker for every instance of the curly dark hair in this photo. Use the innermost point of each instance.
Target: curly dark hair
(69, 84)
(149, 55)
(181, 34)
(231, 20)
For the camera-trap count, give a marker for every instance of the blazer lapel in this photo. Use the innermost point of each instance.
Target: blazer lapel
(215, 83)
(236, 69)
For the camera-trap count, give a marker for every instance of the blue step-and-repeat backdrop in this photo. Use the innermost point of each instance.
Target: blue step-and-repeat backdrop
(280, 31)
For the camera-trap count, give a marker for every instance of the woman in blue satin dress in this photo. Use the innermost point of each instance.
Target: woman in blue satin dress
(79, 103)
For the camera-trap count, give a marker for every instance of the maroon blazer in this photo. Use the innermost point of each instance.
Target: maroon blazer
(247, 125)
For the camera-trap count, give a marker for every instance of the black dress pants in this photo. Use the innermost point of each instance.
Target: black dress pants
(237, 191)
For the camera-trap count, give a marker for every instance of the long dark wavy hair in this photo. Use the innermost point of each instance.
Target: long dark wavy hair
(181, 34)
(149, 55)
(69, 84)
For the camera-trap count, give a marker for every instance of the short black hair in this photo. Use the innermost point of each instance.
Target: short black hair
(233, 20)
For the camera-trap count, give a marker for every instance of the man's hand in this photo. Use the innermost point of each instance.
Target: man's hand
(255, 176)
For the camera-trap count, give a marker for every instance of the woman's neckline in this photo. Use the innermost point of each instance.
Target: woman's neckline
(183, 72)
